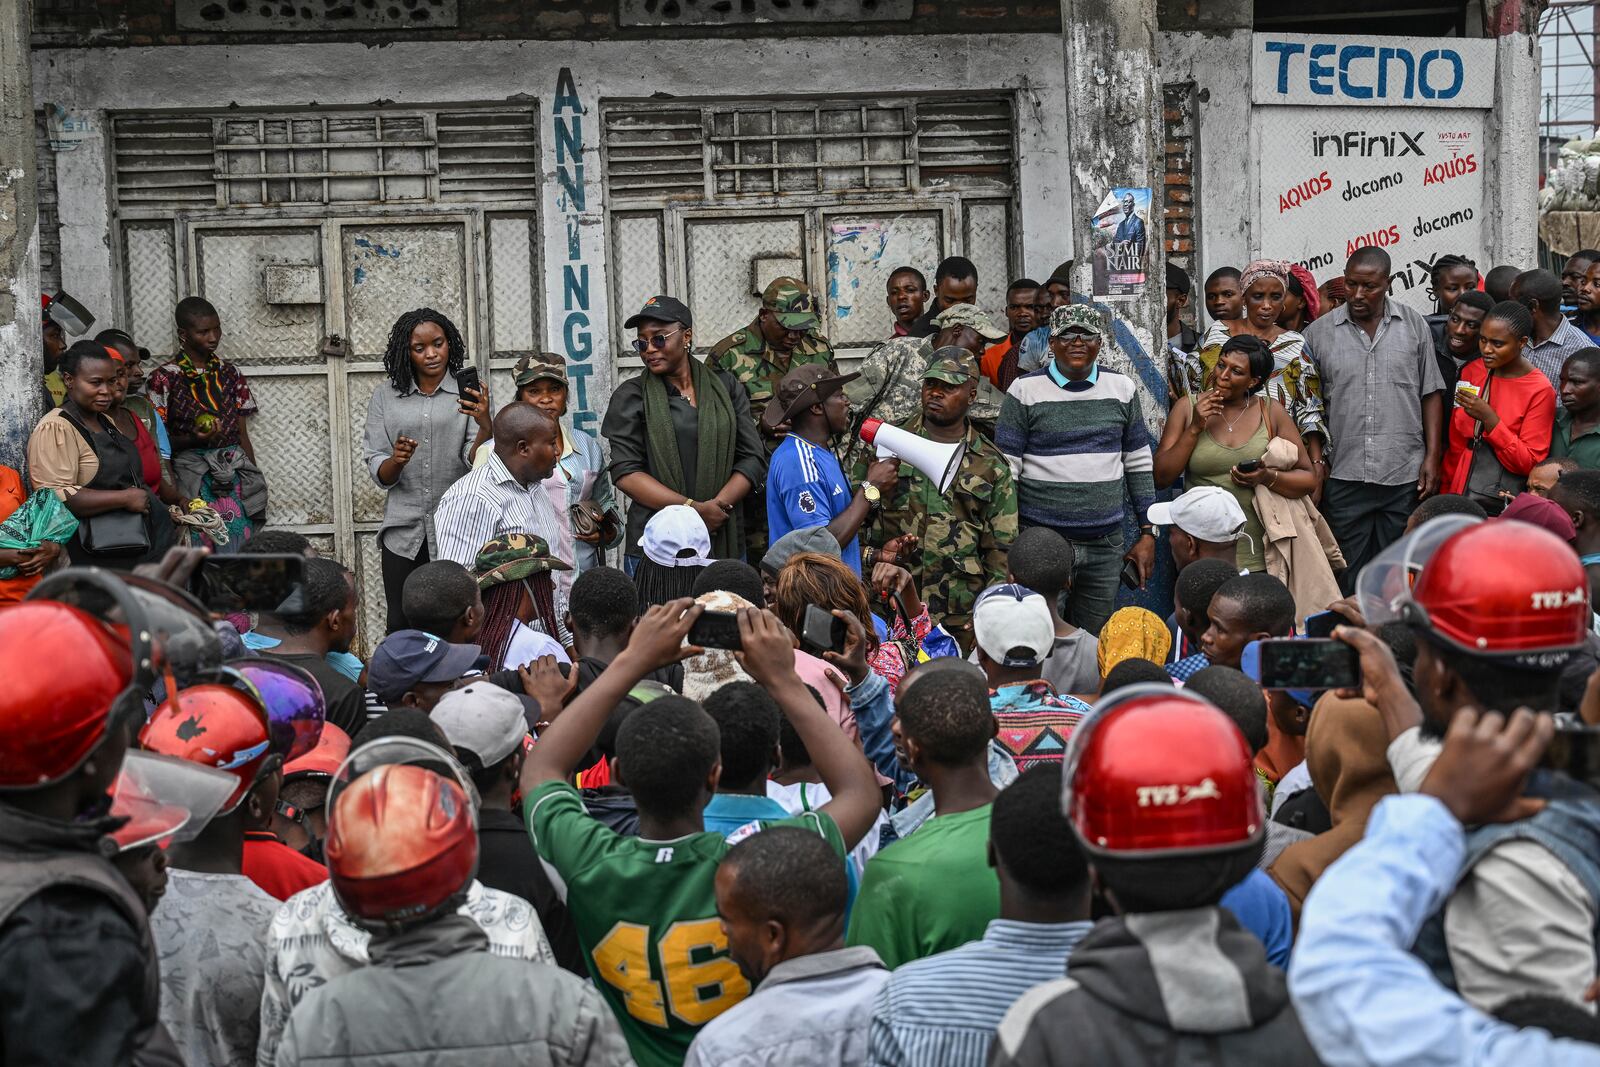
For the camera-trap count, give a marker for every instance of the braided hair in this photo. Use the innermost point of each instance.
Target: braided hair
(1516, 316)
(500, 605)
(397, 357)
(1449, 262)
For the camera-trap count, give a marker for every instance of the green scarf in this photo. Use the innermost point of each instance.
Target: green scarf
(717, 433)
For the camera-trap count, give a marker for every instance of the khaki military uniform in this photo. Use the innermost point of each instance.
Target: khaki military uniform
(963, 535)
(890, 389)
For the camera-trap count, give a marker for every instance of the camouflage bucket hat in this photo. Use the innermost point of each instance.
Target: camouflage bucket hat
(790, 299)
(537, 366)
(1079, 317)
(513, 557)
(951, 364)
(970, 315)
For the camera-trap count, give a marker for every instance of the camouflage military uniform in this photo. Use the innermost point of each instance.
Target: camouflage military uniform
(964, 535)
(757, 365)
(892, 373)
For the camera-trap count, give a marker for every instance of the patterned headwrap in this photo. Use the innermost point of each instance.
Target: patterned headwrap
(1337, 289)
(1133, 633)
(1308, 285)
(1265, 268)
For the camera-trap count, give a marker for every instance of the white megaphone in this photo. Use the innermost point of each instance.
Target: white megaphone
(939, 462)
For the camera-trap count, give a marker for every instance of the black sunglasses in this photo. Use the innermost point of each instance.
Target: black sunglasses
(658, 342)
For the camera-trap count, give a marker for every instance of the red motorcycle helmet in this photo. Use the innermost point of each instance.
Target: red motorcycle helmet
(402, 842)
(1501, 588)
(66, 673)
(1157, 772)
(215, 726)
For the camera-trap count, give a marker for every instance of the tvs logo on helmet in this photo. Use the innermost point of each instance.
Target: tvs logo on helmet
(1157, 796)
(1559, 598)
(190, 728)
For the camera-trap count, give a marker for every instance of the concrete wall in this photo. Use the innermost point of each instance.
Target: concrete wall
(21, 339)
(569, 80)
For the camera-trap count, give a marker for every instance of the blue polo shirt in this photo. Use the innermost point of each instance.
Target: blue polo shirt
(806, 486)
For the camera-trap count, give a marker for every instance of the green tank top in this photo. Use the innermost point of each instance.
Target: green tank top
(1210, 464)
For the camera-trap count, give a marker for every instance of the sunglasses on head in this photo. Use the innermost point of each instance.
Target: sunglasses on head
(658, 342)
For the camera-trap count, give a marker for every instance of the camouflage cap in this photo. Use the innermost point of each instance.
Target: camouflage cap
(1076, 318)
(513, 557)
(951, 364)
(537, 366)
(791, 300)
(970, 315)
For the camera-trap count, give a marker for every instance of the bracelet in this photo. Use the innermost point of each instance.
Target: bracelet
(688, 502)
(1274, 480)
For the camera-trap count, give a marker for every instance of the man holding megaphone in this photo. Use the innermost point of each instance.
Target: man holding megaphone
(806, 486)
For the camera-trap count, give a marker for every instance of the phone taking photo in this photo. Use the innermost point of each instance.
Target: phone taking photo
(1322, 624)
(1302, 663)
(822, 631)
(271, 582)
(467, 378)
(716, 629)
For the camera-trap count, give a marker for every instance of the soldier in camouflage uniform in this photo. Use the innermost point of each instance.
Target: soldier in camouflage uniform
(890, 386)
(964, 534)
(783, 336)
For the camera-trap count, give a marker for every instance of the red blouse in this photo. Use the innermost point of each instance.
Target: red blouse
(1527, 410)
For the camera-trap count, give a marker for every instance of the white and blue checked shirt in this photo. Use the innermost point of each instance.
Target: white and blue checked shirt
(942, 1011)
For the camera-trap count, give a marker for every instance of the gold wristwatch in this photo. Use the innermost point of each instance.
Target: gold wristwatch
(874, 498)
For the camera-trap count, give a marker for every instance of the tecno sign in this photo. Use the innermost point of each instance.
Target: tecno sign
(1372, 71)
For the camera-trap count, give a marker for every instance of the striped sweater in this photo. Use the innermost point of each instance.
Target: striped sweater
(1076, 454)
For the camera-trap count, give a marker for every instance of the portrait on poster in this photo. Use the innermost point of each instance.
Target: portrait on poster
(1120, 229)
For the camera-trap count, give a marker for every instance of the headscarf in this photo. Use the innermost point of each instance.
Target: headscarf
(1337, 289)
(1308, 286)
(1266, 268)
(1133, 633)
(1347, 755)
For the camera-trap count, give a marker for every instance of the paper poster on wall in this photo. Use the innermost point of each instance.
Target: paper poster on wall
(1120, 232)
(1407, 180)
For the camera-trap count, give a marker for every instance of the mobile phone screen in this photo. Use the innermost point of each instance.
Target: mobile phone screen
(266, 582)
(716, 629)
(1308, 663)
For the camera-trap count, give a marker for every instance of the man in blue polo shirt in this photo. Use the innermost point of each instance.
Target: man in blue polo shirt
(806, 486)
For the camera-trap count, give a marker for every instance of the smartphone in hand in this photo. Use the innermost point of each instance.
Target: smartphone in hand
(467, 378)
(716, 629)
(1302, 663)
(822, 631)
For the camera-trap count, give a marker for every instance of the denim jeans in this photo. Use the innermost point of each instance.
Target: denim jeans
(1096, 573)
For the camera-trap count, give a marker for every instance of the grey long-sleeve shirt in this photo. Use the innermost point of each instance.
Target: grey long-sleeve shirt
(444, 439)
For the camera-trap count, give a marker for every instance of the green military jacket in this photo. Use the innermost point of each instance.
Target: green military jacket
(890, 389)
(963, 536)
(746, 355)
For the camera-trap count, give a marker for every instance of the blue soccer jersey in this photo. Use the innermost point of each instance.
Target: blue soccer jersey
(806, 486)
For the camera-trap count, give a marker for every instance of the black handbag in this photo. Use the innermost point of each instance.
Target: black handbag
(1488, 481)
(116, 531)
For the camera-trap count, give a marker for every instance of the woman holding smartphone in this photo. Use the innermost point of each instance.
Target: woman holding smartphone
(1502, 399)
(1219, 436)
(422, 428)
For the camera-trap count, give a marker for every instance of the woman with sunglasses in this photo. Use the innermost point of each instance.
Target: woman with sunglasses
(681, 433)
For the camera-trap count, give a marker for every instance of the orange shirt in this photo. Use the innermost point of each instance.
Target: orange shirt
(12, 496)
(989, 365)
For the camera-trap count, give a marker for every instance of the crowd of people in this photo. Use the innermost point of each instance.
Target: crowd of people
(914, 715)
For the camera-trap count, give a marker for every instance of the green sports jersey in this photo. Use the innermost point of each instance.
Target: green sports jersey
(646, 914)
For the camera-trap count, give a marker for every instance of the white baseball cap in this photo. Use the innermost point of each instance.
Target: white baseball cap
(483, 719)
(1206, 513)
(1013, 625)
(676, 536)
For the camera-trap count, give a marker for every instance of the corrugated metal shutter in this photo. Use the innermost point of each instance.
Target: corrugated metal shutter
(164, 162)
(651, 155)
(487, 156)
(967, 144)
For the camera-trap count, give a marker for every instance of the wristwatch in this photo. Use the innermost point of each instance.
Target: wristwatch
(874, 498)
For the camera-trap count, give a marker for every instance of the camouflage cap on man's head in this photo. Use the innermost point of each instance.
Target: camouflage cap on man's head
(951, 364)
(513, 557)
(969, 315)
(1081, 318)
(790, 299)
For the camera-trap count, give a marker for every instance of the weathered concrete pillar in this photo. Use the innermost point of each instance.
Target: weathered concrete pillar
(21, 341)
(1114, 114)
(1512, 134)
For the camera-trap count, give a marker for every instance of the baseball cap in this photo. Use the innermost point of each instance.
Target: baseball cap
(806, 539)
(1013, 626)
(676, 536)
(407, 657)
(791, 300)
(1177, 278)
(1206, 513)
(513, 557)
(661, 309)
(535, 366)
(483, 719)
(970, 315)
(951, 364)
(800, 388)
(1081, 318)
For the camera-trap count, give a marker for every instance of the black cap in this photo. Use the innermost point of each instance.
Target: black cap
(661, 309)
(1177, 278)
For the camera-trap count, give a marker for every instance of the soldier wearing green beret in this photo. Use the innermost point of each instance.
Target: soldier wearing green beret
(783, 336)
(962, 535)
